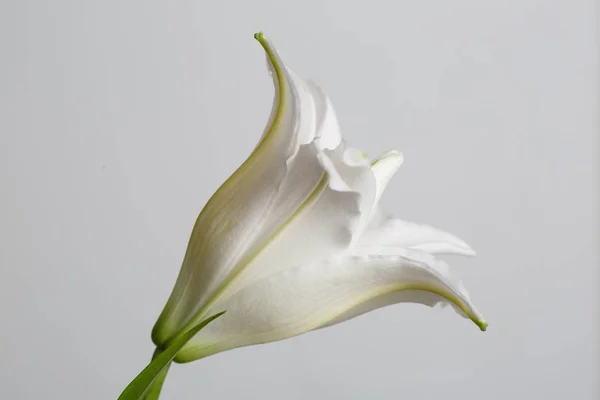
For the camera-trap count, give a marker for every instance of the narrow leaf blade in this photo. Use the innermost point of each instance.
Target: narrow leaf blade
(141, 383)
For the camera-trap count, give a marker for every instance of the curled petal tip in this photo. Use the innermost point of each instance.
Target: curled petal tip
(390, 154)
(269, 49)
(261, 38)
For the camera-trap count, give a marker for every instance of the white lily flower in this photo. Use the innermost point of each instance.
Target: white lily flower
(294, 241)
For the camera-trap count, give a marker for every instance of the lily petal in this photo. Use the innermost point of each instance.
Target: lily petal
(354, 169)
(384, 168)
(328, 128)
(301, 299)
(393, 232)
(250, 206)
(324, 226)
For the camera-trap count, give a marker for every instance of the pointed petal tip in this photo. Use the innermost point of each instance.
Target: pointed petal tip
(469, 252)
(455, 246)
(482, 324)
(271, 53)
(263, 40)
(477, 318)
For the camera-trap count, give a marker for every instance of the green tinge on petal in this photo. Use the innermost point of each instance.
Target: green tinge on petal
(482, 325)
(207, 349)
(445, 294)
(281, 79)
(384, 167)
(390, 154)
(165, 326)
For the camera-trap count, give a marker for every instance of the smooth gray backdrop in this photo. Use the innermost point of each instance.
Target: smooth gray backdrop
(118, 119)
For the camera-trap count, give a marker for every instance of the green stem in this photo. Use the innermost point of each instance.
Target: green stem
(154, 391)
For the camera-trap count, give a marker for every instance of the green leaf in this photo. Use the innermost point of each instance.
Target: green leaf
(141, 383)
(153, 392)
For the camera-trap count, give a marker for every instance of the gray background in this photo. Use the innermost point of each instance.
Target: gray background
(118, 119)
